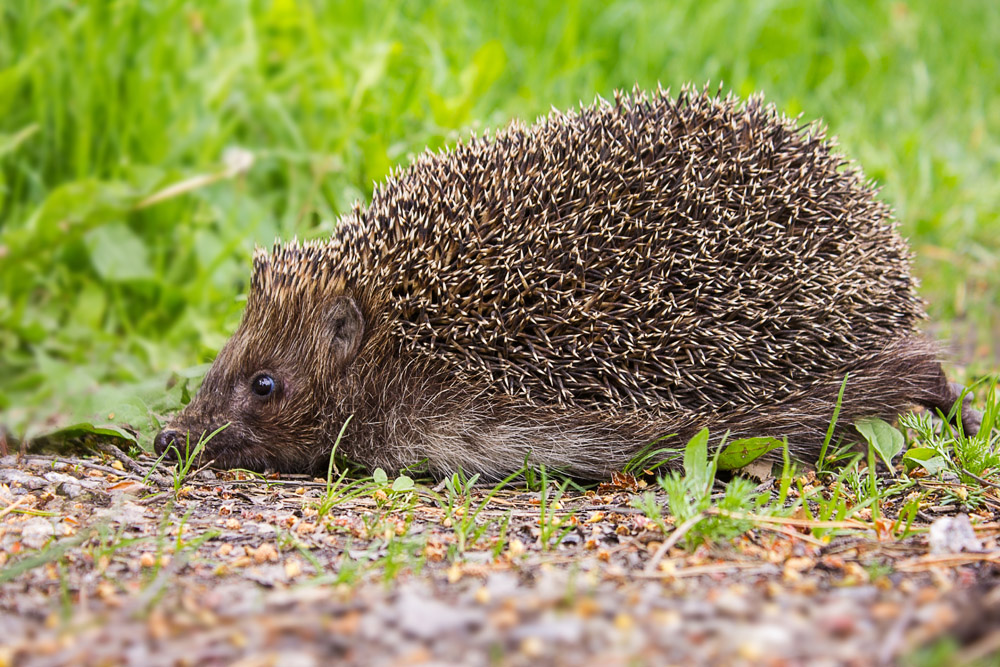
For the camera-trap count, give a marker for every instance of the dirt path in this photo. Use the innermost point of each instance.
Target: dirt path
(99, 568)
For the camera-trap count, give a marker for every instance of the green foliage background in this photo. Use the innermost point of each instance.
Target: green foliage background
(104, 295)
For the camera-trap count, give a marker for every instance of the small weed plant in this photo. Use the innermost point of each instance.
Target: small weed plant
(187, 458)
(898, 467)
(706, 515)
(463, 513)
(553, 524)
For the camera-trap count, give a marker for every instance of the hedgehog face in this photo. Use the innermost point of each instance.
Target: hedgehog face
(265, 396)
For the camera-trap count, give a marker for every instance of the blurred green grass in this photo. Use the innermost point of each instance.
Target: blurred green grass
(103, 104)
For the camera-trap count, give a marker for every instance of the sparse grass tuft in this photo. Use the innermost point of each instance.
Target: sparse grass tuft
(187, 458)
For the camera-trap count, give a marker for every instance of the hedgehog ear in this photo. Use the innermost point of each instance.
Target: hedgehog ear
(346, 327)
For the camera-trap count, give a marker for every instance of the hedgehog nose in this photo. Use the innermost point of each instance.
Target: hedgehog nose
(166, 441)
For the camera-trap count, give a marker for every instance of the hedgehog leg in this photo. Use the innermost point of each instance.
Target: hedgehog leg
(972, 419)
(945, 398)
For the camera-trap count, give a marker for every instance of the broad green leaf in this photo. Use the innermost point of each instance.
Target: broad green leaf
(739, 453)
(67, 213)
(402, 483)
(88, 311)
(118, 410)
(379, 476)
(883, 437)
(925, 457)
(118, 254)
(696, 458)
(85, 428)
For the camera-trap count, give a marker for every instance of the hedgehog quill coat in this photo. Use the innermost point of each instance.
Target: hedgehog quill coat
(571, 292)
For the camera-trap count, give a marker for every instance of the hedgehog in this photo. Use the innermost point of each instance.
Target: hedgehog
(570, 292)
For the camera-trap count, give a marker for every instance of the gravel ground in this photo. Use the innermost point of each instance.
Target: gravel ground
(100, 568)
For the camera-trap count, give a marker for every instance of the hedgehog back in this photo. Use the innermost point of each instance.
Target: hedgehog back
(653, 253)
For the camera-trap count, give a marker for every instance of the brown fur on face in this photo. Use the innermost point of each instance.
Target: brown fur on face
(574, 291)
(303, 345)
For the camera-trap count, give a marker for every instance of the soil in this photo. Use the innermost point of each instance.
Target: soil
(102, 562)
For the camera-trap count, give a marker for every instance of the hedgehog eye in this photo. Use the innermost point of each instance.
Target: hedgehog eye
(263, 385)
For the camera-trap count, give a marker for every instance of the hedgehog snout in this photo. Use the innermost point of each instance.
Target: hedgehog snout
(166, 442)
(171, 443)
